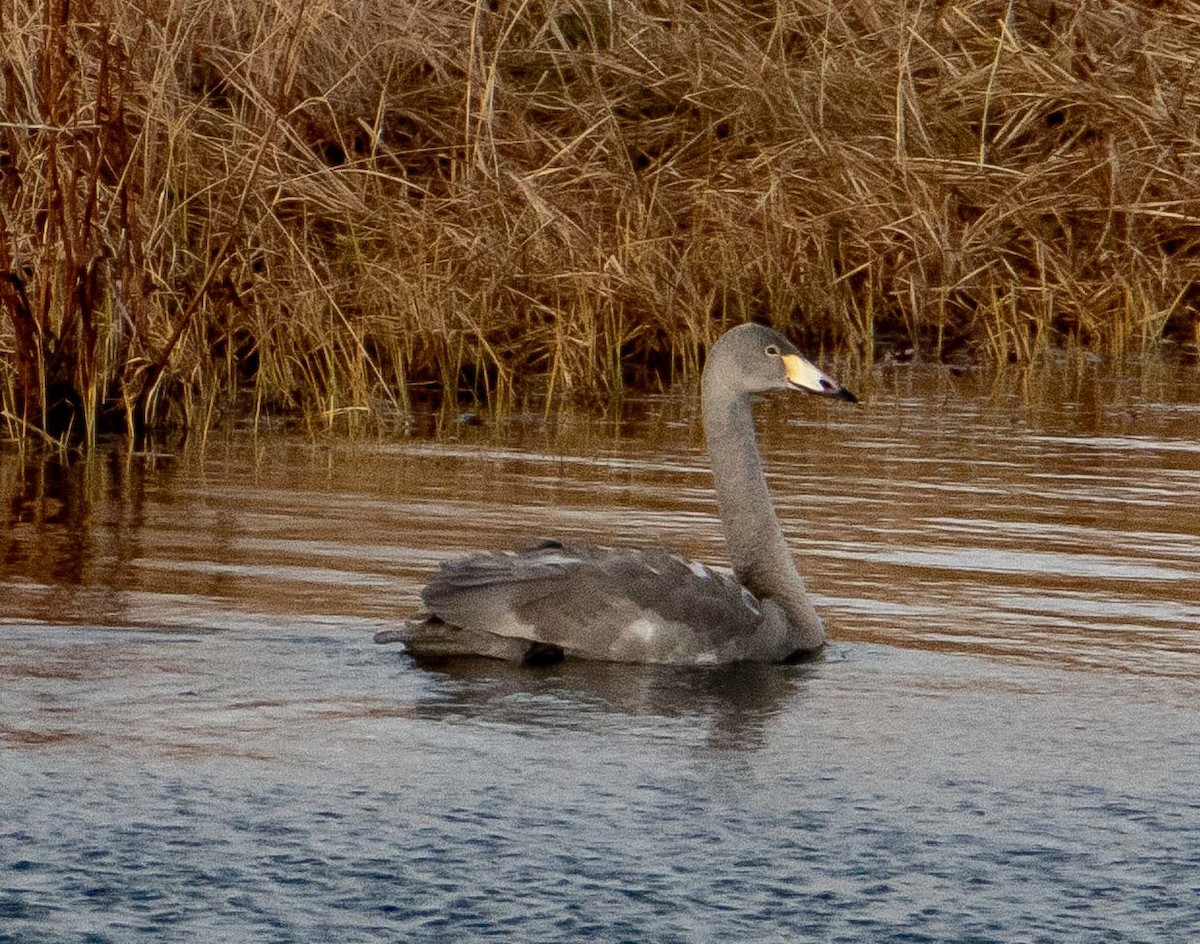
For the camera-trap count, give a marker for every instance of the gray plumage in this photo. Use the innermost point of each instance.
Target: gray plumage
(558, 599)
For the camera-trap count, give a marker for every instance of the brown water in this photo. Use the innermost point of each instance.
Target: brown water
(198, 740)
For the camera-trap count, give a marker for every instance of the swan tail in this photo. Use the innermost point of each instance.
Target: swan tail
(428, 637)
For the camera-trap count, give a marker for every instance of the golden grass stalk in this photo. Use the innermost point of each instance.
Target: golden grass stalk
(325, 208)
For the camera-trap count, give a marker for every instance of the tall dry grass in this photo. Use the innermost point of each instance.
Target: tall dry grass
(320, 206)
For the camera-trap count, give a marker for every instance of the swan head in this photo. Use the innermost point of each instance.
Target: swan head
(755, 359)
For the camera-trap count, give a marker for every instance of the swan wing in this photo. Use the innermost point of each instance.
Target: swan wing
(600, 603)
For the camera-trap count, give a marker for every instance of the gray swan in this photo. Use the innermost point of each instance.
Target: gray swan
(551, 600)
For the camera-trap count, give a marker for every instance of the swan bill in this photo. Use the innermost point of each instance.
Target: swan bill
(803, 374)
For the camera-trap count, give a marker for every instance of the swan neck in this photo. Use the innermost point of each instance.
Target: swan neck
(757, 549)
(756, 546)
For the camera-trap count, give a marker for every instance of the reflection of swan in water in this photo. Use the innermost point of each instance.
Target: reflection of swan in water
(551, 599)
(732, 709)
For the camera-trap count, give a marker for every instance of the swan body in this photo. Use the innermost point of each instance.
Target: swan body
(551, 600)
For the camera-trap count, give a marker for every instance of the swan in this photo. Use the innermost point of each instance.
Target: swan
(551, 599)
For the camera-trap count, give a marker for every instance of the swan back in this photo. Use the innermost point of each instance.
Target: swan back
(565, 599)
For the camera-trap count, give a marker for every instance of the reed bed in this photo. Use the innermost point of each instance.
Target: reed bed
(323, 207)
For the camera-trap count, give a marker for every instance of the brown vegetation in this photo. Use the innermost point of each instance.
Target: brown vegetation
(318, 204)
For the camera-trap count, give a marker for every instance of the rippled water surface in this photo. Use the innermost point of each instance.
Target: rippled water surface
(198, 740)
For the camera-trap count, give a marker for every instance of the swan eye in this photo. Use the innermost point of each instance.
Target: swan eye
(772, 350)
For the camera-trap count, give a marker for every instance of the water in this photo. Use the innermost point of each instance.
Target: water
(199, 742)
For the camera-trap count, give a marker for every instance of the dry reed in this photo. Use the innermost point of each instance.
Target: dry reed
(319, 206)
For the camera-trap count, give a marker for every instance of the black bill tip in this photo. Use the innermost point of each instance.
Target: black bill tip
(831, 388)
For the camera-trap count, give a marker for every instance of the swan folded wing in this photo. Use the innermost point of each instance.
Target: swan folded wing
(599, 603)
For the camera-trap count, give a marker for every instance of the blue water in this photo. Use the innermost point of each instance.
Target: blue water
(303, 785)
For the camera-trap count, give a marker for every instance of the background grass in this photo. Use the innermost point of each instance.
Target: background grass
(322, 205)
